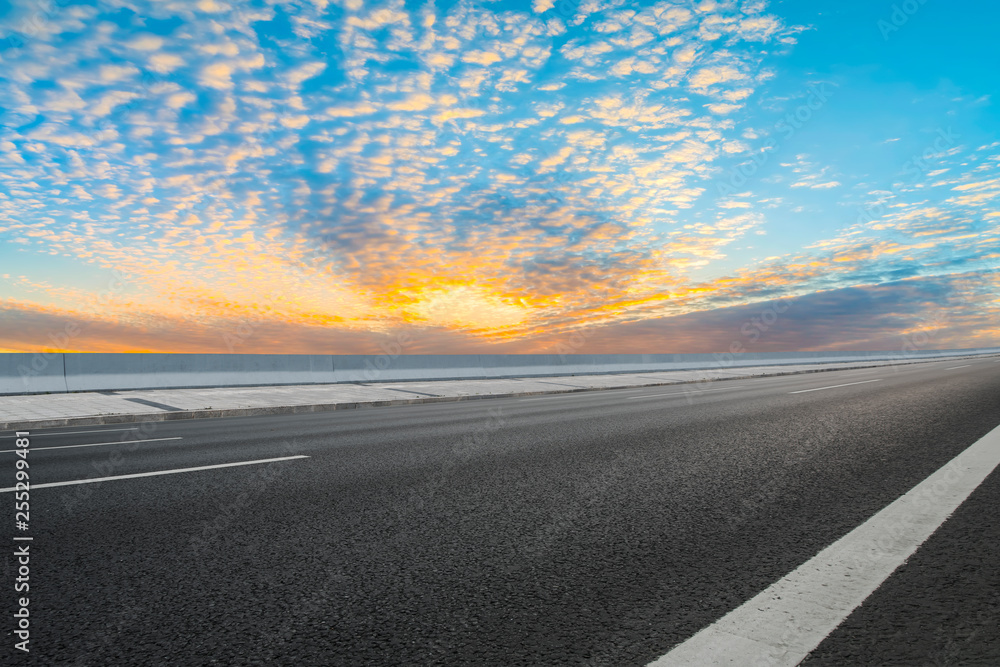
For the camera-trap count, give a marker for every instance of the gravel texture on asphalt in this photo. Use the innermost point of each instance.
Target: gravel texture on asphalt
(589, 529)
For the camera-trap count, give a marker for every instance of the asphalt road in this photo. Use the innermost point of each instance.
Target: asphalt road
(598, 528)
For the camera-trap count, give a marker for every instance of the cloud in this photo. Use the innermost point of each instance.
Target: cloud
(295, 76)
(707, 77)
(362, 109)
(181, 99)
(758, 28)
(217, 75)
(481, 57)
(418, 102)
(946, 312)
(488, 176)
(811, 183)
(145, 42)
(164, 63)
(723, 109)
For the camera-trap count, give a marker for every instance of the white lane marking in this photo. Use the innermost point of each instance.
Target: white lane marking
(542, 398)
(782, 624)
(35, 434)
(802, 391)
(159, 472)
(682, 393)
(564, 394)
(93, 444)
(954, 367)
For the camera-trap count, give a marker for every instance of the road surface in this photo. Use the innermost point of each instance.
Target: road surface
(598, 528)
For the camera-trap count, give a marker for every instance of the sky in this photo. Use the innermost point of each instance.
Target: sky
(475, 176)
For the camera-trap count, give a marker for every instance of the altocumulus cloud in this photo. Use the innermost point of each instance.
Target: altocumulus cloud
(485, 175)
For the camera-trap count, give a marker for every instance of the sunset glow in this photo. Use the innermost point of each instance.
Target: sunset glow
(317, 177)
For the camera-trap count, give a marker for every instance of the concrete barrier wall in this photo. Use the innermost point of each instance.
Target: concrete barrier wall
(385, 368)
(60, 373)
(90, 372)
(32, 373)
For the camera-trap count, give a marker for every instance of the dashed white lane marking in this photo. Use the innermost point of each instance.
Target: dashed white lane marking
(35, 434)
(781, 625)
(682, 393)
(597, 394)
(543, 398)
(802, 391)
(158, 472)
(92, 444)
(954, 367)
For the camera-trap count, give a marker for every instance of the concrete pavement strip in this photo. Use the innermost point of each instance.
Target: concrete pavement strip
(9, 423)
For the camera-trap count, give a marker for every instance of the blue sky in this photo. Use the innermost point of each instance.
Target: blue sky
(497, 176)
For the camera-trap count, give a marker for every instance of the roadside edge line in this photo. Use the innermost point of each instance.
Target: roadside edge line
(781, 625)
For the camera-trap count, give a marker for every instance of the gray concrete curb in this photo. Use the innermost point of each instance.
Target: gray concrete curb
(133, 418)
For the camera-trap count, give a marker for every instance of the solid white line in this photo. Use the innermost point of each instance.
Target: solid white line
(107, 430)
(158, 472)
(542, 398)
(954, 367)
(676, 393)
(781, 625)
(93, 444)
(802, 391)
(682, 393)
(564, 394)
